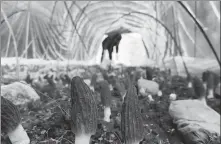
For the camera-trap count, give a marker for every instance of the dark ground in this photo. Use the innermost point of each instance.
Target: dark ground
(49, 123)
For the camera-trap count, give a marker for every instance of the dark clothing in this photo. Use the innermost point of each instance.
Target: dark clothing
(109, 43)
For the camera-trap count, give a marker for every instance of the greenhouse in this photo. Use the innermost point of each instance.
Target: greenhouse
(110, 72)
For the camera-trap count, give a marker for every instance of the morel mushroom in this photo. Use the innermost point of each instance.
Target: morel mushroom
(106, 99)
(210, 82)
(131, 119)
(93, 80)
(83, 111)
(211, 85)
(189, 80)
(149, 73)
(65, 79)
(199, 89)
(204, 78)
(11, 123)
(28, 78)
(120, 88)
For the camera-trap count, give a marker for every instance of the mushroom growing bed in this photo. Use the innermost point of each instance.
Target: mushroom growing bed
(50, 121)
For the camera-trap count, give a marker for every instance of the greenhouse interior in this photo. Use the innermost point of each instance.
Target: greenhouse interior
(110, 72)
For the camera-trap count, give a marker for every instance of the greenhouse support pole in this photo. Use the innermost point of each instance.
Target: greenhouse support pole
(39, 39)
(186, 31)
(195, 30)
(27, 31)
(14, 42)
(175, 63)
(1, 66)
(175, 34)
(155, 42)
(147, 52)
(8, 44)
(203, 32)
(179, 46)
(73, 23)
(215, 10)
(33, 45)
(10, 15)
(162, 24)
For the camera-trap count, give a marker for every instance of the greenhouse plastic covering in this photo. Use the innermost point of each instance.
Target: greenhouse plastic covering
(160, 32)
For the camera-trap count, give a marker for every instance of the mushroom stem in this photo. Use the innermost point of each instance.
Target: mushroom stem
(159, 93)
(205, 85)
(82, 139)
(124, 96)
(117, 56)
(190, 85)
(19, 136)
(203, 99)
(107, 113)
(110, 87)
(172, 97)
(150, 98)
(92, 88)
(210, 93)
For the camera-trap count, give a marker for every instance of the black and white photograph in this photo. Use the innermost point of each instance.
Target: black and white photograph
(110, 72)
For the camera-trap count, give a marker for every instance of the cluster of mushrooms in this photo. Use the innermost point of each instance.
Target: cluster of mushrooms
(84, 113)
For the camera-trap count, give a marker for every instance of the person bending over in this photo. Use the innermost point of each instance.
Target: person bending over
(109, 43)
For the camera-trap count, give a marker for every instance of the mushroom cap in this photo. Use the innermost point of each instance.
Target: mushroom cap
(131, 118)
(93, 79)
(205, 76)
(149, 73)
(10, 116)
(198, 87)
(84, 107)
